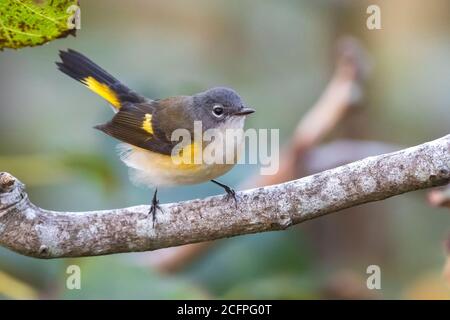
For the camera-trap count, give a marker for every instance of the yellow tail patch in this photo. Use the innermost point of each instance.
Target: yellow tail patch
(102, 90)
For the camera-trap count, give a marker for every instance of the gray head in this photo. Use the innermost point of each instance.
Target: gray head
(219, 104)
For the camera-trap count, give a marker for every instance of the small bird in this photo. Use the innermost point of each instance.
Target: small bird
(145, 127)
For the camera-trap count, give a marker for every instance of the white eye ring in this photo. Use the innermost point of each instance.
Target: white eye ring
(218, 110)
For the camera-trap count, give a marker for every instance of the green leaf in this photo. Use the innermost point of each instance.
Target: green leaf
(35, 22)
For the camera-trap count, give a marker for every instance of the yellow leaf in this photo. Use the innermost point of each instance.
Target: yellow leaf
(14, 288)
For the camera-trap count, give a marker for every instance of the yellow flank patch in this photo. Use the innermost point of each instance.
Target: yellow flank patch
(147, 123)
(189, 157)
(102, 90)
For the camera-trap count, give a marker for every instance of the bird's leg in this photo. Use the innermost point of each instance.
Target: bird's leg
(154, 206)
(230, 192)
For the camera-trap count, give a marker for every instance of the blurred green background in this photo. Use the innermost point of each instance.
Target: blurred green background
(279, 55)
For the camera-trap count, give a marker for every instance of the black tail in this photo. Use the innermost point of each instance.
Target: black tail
(82, 69)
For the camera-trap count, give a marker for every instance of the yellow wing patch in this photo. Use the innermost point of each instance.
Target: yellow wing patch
(102, 90)
(147, 123)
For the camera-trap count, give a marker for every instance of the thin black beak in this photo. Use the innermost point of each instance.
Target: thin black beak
(244, 112)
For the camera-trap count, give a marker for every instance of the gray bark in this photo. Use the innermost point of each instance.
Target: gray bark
(41, 233)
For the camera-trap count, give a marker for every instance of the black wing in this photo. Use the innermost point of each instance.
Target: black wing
(134, 124)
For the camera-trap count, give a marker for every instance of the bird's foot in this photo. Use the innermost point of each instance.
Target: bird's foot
(154, 207)
(231, 194)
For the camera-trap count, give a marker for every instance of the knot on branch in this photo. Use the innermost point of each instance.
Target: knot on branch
(7, 182)
(441, 177)
(11, 190)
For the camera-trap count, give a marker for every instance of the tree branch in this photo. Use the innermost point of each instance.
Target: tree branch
(36, 232)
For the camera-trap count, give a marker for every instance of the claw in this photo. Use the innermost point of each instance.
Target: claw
(230, 192)
(155, 206)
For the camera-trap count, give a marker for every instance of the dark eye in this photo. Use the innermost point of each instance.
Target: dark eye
(218, 110)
